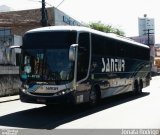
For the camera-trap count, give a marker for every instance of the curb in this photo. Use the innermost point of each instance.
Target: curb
(9, 98)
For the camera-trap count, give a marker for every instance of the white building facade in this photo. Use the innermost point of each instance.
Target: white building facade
(147, 29)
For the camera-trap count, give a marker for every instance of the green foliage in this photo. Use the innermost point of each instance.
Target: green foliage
(106, 28)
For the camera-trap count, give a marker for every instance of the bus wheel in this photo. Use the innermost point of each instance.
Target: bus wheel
(49, 105)
(136, 88)
(93, 97)
(140, 87)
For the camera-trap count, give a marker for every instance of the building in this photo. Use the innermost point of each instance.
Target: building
(21, 21)
(147, 29)
(14, 24)
(146, 36)
(144, 39)
(7, 55)
(145, 24)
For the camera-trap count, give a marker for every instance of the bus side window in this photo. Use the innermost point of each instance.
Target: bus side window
(83, 56)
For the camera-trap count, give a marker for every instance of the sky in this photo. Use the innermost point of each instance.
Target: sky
(122, 14)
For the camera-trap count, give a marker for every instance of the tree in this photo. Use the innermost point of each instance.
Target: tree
(106, 28)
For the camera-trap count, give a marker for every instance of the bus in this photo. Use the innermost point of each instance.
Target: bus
(75, 64)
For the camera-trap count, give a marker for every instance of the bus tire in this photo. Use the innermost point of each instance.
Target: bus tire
(140, 87)
(94, 96)
(136, 87)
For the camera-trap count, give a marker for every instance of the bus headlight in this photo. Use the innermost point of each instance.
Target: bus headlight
(23, 90)
(63, 92)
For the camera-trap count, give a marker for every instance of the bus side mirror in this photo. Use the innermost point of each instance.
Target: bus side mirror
(72, 52)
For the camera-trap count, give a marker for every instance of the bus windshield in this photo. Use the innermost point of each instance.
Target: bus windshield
(46, 56)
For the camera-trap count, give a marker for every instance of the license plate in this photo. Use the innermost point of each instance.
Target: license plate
(41, 100)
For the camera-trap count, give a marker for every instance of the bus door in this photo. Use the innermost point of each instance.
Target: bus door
(83, 62)
(83, 56)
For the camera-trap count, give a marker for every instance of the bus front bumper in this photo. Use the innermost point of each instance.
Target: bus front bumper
(68, 98)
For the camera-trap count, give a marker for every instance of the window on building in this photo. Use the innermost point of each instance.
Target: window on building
(5, 31)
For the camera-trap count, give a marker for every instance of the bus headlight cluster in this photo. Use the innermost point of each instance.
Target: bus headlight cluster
(63, 92)
(23, 90)
(25, 86)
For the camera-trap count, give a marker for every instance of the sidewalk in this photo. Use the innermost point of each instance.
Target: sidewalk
(9, 98)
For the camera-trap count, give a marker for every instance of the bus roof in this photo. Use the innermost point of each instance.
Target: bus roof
(85, 29)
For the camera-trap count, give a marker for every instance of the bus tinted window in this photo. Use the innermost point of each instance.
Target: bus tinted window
(129, 51)
(51, 39)
(120, 48)
(102, 46)
(110, 47)
(98, 45)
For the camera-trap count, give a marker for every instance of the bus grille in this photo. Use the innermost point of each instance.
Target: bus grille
(42, 94)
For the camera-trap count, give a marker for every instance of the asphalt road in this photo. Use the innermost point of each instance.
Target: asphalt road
(124, 111)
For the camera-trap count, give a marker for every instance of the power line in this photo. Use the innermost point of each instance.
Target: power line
(60, 3)
(47, 3)
(41, 2)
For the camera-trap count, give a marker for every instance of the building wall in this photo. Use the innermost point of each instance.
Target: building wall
(147, 28)
(9, 84)
(9, 80)
(145, 24)
(144, 39)
(63, 19)
(19, 22)
(22, 21)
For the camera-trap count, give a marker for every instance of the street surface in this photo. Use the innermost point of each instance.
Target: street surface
(124, 111)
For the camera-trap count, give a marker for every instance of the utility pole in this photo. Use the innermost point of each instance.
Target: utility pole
(148, 34)
(44, 20)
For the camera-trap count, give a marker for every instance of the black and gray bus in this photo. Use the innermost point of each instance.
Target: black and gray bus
(74, 64)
